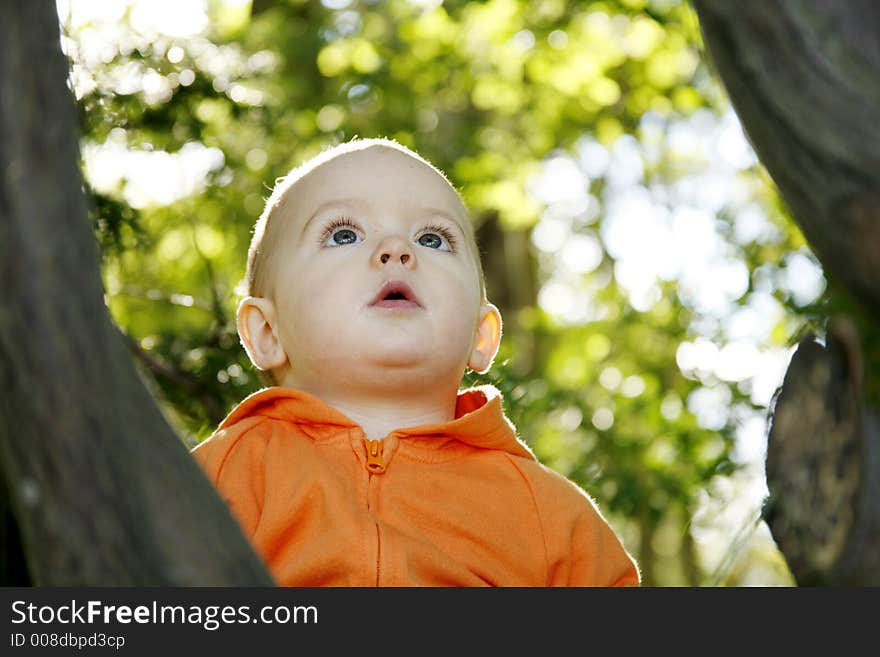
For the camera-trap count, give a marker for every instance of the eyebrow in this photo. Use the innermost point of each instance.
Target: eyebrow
(337, 202)
(353, 202)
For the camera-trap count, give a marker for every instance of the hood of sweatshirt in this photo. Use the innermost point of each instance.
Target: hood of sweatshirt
(479, 418)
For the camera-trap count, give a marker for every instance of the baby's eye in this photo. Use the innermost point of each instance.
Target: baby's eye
(339, 233)
(431, 240)
(435, 241)
(343, 236)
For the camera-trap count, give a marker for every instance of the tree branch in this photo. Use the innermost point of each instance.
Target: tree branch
(102, 490)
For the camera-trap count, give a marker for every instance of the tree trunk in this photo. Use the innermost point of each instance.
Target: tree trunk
(804, 78)
(823, 465)
(98, 488)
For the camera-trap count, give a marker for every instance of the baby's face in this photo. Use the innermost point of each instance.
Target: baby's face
(374, 273)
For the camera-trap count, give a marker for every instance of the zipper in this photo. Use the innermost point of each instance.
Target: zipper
(375, 465)
(375, 462)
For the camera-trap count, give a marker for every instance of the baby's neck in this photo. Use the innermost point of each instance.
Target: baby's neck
(384, 404)
(379, 417)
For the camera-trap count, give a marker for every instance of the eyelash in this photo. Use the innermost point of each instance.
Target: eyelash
(342, 222)
(347, 222)
(444, 232)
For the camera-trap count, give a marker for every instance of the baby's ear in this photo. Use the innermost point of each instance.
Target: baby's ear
(256, 325)
(487, 339)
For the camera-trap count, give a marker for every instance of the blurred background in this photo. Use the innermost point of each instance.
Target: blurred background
(652, 283)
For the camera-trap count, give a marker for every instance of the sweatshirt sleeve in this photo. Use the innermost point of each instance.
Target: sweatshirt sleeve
(232, 459)
(582, 548)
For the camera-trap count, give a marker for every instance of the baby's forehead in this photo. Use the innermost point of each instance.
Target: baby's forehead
(371, 175)
(374, 162)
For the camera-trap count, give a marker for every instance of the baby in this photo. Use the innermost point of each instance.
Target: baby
(365, 465)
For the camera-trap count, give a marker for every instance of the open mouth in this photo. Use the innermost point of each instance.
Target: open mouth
(396, 295)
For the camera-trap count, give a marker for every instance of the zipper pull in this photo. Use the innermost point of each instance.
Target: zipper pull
(375, 463)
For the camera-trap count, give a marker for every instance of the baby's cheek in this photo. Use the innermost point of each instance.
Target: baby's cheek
(462, 309)
(303, 317)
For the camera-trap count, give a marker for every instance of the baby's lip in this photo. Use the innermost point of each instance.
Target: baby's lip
(396, 287)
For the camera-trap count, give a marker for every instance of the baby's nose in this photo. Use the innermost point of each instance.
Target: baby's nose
(394, 249)
(404, 257)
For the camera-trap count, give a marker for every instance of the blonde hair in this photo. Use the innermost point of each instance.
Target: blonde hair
(269, 228)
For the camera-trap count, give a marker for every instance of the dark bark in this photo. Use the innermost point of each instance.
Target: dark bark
(804, 78)
(100, 489)
(823, 465)
(13, 566)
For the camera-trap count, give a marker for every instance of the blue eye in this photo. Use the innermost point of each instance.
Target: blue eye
(437, 237)
(431, 240)
(339, 233)
(344, 236)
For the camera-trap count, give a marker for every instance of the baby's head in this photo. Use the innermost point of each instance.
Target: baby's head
(363, 273)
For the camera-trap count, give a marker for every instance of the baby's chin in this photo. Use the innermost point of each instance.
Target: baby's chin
(386, 365)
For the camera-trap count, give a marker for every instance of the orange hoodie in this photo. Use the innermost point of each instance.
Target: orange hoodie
(463, 503)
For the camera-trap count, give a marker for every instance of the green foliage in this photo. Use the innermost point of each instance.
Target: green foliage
(485, 90)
